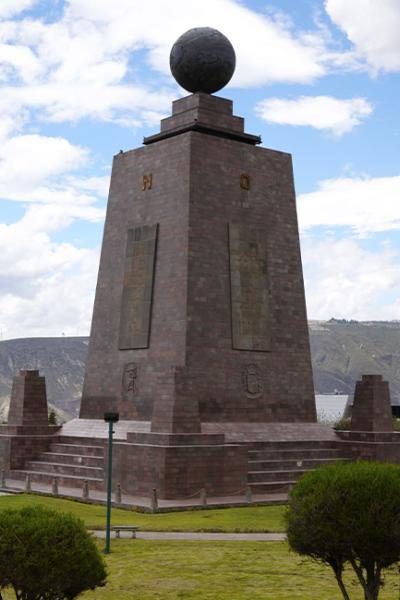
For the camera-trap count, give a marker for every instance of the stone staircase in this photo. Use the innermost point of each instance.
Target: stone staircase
(274, 467)
(71, 460)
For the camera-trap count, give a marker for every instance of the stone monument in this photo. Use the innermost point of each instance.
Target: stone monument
(199, 313)
(199, 335)
(199, 325)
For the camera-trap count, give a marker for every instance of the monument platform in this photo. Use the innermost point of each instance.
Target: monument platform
(272, 457)
(199, 336)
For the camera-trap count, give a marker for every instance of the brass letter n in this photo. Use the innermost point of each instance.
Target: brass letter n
(244, 181)
(147, 182)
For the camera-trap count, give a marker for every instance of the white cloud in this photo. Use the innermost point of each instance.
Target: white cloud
(36, 170)
(27, 160)
(373, 27)
(47, 286)
(99, 185)
(87, 63)
(51, 292)
(8, 8)
(365, 205)
(22, 60)
(344, 280)
(257, 39)
(322, 112)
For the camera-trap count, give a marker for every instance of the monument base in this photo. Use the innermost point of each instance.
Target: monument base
(179, 466)
(28, 432)
(21, 444)
(176, 465)
(383, 446)
(222, 460)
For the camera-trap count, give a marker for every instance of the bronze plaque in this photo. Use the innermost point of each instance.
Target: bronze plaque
(249, 288)
(137, 294)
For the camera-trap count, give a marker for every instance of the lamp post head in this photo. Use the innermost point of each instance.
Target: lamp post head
(111, 417)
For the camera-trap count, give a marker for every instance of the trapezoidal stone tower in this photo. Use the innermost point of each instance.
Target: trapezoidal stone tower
(199, 327)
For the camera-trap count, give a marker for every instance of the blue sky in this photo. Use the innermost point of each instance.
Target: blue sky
(82, 79)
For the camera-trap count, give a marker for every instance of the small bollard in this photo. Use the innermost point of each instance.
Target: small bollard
(85, 489)
(118, 494)
(54, 487)
(248, 494)
(3, 483)
(154, 500)
(203, 497)
(28, 486)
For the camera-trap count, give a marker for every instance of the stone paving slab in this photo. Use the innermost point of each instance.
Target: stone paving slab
(199, 536)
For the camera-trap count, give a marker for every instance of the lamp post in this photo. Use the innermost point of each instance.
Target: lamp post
(110, 418)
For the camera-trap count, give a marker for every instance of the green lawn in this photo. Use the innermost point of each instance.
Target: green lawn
(259, 518)
(150, 570)
(169, 570)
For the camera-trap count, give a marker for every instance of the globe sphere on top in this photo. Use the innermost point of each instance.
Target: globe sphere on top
(202, 60)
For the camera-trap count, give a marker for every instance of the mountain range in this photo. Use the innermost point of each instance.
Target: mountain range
(341, 352)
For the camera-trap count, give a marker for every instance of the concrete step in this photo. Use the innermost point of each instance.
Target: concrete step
(294, 463)
(288, 445)
(74, 481)
(272, 476)
(79, 441)
(86, 450)
(55, 468)
(75, 459)
(299, 453)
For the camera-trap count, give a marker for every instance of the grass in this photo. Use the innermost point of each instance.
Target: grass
(258, 518)
(188, 570)
(150, 570)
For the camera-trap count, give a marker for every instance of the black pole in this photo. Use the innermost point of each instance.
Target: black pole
(109, 418)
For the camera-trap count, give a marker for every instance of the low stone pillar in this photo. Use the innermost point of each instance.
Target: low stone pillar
(28, 402)
(28, 485)
(3, 483)
(248, 494)
(118, 494)
(85, 490)
(54, 487)
(203, 497)
(372, 410)
(154, 500)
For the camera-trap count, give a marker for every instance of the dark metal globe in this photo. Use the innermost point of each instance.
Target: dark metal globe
(202, 60)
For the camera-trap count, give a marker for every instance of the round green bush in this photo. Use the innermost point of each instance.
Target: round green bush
(348, 513)
(47, 555)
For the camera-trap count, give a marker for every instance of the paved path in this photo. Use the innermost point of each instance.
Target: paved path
(127, 501)
(188, 535)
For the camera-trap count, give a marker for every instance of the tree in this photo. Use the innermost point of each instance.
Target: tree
(52, 417)
(348, 514)
(46, 555)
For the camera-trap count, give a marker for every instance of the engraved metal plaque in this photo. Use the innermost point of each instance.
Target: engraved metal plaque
(141, 246)
(249, 288)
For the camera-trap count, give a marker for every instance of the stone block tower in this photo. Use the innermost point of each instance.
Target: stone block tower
(199, 315)
(199, 312)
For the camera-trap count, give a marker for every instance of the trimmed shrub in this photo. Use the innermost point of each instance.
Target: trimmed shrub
(348, 514)
(46, 555)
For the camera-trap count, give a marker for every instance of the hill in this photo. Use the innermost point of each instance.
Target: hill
(60, 360)
(341, 352)
(344, 350)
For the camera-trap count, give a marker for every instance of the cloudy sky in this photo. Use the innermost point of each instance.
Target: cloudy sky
(82, 79)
